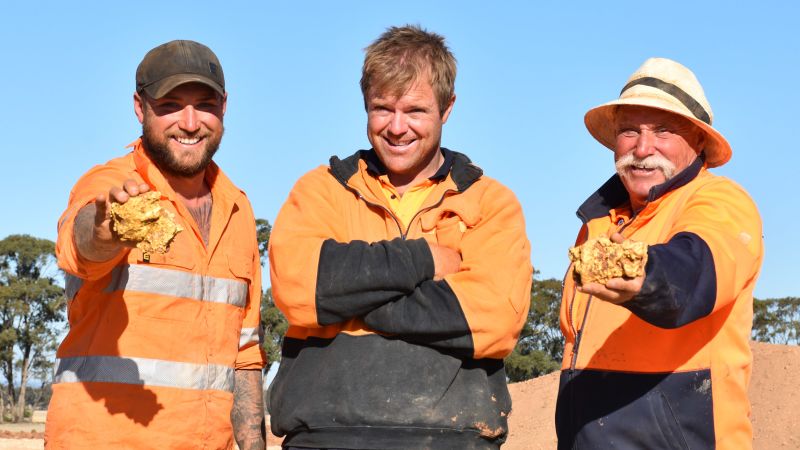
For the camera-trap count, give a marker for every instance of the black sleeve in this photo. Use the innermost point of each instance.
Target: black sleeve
(431, 315)
(680, 284)
(356, 277)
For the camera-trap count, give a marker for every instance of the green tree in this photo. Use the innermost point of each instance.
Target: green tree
(540, 344)
(777, 320)
(263, 231)
(275, 326)
(31, 302)
(272, 320)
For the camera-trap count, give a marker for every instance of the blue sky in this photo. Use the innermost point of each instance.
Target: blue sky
(528, 71)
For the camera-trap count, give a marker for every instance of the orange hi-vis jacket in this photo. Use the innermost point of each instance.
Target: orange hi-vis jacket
(669, 368)
(154, 339)
(378, 354)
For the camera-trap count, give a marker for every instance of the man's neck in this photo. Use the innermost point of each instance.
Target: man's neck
(403, 182)
(191, 190)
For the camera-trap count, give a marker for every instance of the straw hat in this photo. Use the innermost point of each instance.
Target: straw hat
(669, 86)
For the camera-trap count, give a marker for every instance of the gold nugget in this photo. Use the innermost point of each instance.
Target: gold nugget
(142, 220)
(599, 260)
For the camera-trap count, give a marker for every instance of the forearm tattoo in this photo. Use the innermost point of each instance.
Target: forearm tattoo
(247, 415)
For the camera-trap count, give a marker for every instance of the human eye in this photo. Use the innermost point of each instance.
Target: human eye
(627, 132)
(663, 132)
(378, 109)
(166, 107)
(207, 106)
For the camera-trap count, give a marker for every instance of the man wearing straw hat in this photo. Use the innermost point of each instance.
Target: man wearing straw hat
(662, 360)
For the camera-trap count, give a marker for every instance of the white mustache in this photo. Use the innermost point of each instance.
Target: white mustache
(651, 162)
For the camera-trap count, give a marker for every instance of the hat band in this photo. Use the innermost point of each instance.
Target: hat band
(687, 100)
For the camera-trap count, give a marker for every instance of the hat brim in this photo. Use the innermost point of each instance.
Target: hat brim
(162, 87)
(600, 122)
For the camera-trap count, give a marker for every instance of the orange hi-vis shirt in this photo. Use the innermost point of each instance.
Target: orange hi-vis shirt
(154, 340)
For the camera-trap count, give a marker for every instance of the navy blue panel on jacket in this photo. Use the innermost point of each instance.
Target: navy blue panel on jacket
(681, 283)
(635, 411)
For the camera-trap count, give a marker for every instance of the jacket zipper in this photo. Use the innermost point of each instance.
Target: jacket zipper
(403, 234)
(428, 208)
(579, 333)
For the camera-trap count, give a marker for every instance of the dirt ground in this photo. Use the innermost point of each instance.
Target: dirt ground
(774, 395)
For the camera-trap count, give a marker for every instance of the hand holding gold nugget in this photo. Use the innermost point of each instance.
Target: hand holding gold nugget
(142, 220)
(599, 260)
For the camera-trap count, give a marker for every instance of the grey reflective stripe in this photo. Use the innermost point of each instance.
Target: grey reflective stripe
(71, 285)
(250, 335)
(155, 280)
(143, 371)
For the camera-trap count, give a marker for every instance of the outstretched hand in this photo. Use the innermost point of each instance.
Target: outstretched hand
(95, 239)
(616, 290)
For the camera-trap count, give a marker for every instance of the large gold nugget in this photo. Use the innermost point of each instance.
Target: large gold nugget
(142, 220)
(599, 260)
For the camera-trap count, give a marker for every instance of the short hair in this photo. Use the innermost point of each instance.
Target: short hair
(401, 55)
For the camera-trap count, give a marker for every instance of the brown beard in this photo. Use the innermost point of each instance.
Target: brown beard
(157, 148)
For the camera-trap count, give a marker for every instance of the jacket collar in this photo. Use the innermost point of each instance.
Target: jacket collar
(456, 164)
(612, 193)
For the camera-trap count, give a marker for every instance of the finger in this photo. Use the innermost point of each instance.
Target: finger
(118, 195)
(131, 187)
(630, 285)
(100, 209)
(600, 291)
(617, 238)
(143, 187)
(591, 288)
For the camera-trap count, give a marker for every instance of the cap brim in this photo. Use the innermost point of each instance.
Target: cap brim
(600, 123)
(163, 87)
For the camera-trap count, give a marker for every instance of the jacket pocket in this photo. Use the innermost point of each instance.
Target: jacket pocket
(664, 418)
(241, 266)
(448, 229)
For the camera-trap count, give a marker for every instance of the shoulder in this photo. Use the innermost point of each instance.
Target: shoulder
(493, 191)
(319, 177)
(722, 189)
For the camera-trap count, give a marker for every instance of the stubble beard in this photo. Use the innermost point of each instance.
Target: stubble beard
(157, 148)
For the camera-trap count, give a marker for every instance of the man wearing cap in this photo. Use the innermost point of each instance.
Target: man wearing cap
(404, 273)
(662, 360)
(163, 349)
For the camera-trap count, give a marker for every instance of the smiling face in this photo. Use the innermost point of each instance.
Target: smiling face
(651, 147)
(405, 131)
(182, 130)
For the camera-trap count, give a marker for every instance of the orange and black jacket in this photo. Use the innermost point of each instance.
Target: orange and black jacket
(378, 354)
(671, 367)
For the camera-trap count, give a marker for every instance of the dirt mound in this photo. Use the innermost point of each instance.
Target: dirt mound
(774, 396)
(33, 434)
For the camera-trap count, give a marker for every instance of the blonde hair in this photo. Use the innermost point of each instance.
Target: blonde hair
(400, 56)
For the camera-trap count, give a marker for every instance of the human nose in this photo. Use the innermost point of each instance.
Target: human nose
(188, 120)
(398, 125)
(644, 145)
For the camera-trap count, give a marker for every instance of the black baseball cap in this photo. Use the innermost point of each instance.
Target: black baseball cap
(175, 63)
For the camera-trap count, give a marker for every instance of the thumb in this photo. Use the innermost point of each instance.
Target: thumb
(101, 209)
